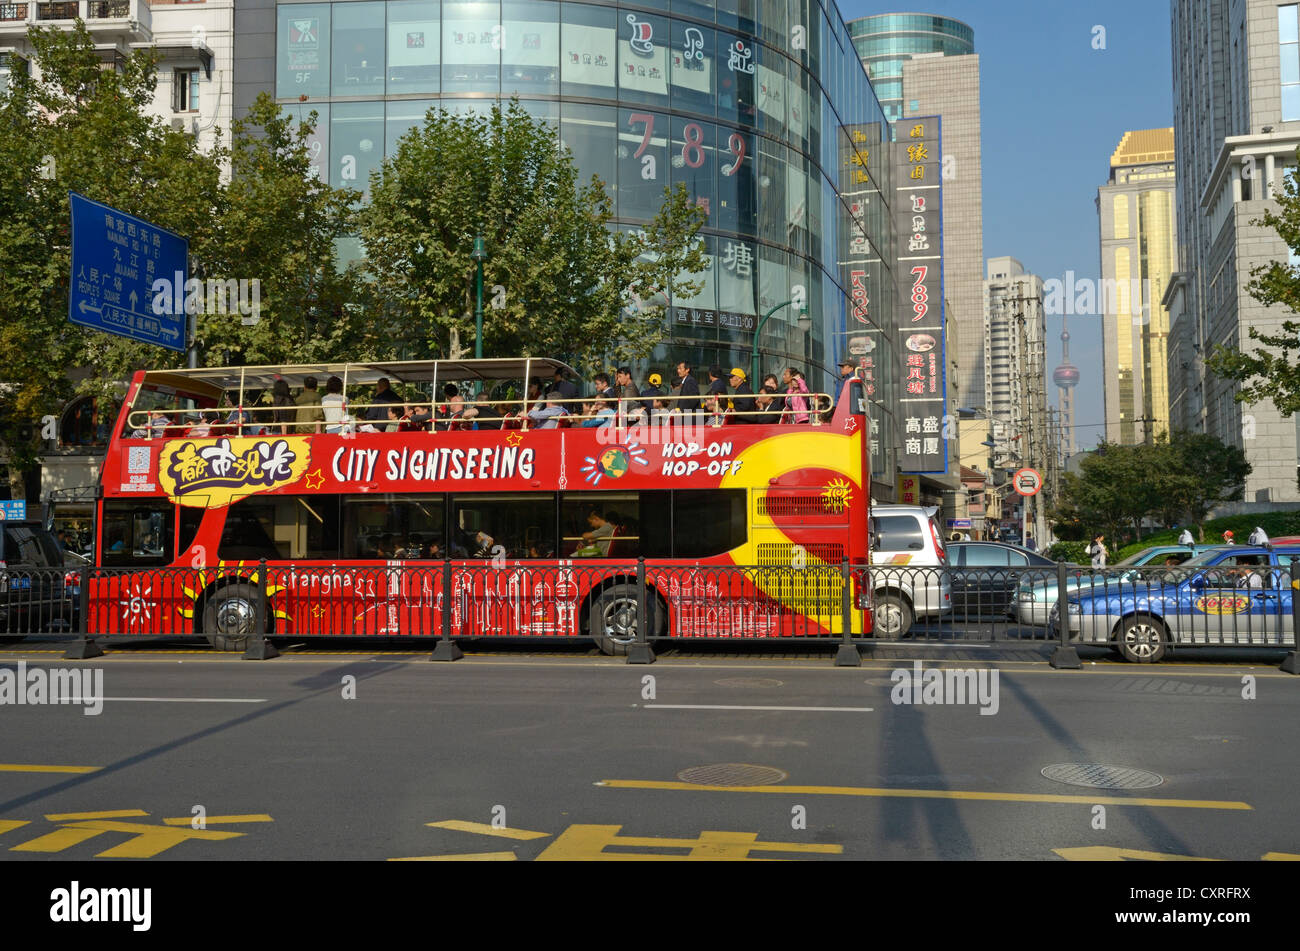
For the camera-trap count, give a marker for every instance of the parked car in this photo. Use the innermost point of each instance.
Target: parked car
(33, 590)
(905, 538)
(1230, 595)
(1036, 595)
(985, 576)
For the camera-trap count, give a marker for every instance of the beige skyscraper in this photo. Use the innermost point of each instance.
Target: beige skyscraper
(1138, 254)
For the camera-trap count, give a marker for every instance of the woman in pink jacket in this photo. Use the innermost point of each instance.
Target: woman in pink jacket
(796, 402)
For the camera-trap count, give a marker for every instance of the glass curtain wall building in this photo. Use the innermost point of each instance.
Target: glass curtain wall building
(760, 108)
(888, 40)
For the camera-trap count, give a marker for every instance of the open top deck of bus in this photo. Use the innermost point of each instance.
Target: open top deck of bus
(213, 381)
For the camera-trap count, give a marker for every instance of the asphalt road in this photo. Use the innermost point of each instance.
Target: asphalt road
(518, 753)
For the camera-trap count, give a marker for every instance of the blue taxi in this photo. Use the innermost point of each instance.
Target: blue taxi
(1227, 596)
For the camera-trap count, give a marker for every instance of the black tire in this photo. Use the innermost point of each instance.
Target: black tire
(230, 617)
(892, 618)
(611, 618)
(1141, 639)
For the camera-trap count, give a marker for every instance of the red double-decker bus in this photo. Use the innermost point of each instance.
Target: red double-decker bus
(493, 524)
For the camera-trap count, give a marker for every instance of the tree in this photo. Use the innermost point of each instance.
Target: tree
(1176, 479)
(568, 277)
(80, 127)
(1271, 372)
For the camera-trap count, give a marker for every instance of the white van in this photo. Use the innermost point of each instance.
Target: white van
(909, 576)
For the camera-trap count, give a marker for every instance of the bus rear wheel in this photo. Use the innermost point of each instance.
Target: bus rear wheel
(230, 617)
(612, 618)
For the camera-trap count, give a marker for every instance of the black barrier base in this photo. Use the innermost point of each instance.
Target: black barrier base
(1066, 658)
(848, 656)
(83, 649)
(446, 651)
(260, 649)
(1291, 665)
(640, 654)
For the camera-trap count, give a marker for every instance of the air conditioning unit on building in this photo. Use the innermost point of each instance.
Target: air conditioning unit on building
(184, 124)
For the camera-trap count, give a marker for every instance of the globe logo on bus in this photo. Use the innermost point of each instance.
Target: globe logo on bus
(614, 463)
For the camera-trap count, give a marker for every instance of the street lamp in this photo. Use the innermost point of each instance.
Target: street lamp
(805, 324)
(479, 255)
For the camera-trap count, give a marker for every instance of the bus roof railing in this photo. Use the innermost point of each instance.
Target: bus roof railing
(363, 373)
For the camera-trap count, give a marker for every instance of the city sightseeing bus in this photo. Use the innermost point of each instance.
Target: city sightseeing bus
(739, 530)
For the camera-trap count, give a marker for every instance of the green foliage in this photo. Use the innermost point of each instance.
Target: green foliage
(568, 277)
(81, 127)
(1069, 551)
(1172, 480)
(1272, 370)
(1276, 524)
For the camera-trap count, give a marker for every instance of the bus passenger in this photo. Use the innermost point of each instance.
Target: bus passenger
(285, 414)
(549, 417)
(599, 537)
(377, 412)
(334, 406)
(686, 388)
(601, 413)
(309, 415)
(796, 401)
(743, 401)
(768, 407)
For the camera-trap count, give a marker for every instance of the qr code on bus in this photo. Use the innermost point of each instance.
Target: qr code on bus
(137, 460)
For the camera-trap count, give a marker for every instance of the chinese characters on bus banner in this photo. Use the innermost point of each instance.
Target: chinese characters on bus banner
(918, 219)
(212, 473)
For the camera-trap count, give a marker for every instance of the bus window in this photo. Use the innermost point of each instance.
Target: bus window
(138, 533)
(190, 520)
(394, 526)
(616, 525)
(522, 526)
(287, 527)
(708, 522)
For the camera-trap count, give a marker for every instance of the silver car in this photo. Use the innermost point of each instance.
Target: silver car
(909, 579)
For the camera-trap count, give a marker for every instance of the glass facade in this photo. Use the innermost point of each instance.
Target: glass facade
(1288, 36)
(760, 108)
(886, 41)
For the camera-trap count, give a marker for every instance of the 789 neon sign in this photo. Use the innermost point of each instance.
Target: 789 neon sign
(692, 150)
(920, 295)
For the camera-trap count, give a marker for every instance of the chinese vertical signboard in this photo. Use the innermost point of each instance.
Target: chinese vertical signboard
(918, 222)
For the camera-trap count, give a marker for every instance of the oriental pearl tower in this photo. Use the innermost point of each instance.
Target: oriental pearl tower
(1066, 378)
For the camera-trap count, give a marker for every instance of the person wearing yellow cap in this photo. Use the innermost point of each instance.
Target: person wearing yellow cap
(652, 391)
(742, 400)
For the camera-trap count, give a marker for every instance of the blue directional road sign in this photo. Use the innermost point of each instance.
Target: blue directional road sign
(116, 258)
(13, 511)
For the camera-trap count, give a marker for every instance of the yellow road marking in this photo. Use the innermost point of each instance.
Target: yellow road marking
(587, 842)
(480, 828)
(210, 820)
(1110, 853)
(58, 840)
(29, 768)
(1280, 857)
(868, 791)
(473, 857)
(113, 814)
(8, 824)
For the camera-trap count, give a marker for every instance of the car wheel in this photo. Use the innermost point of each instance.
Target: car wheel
(612, 618)
(230, 617)
(892, 619)
(1141, 639)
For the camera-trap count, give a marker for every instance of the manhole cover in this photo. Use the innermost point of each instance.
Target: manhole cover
(1099, 776)
(732, 774)
(748, 682)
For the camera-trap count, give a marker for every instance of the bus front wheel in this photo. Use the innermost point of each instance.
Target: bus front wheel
(612, 618)
(230, 617)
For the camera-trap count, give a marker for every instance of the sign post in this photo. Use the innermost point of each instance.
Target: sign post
(1027, 482)
(116, 258)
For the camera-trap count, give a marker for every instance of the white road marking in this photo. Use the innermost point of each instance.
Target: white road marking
(182, 700)
(723, 706)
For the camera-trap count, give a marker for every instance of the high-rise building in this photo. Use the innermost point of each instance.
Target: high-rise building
(1015, 337)
(886, 41)
(922, 65)
(1236, 66)
(757, 109)
(1138, 254)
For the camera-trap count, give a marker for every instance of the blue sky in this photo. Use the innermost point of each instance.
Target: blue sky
(1053, 110)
